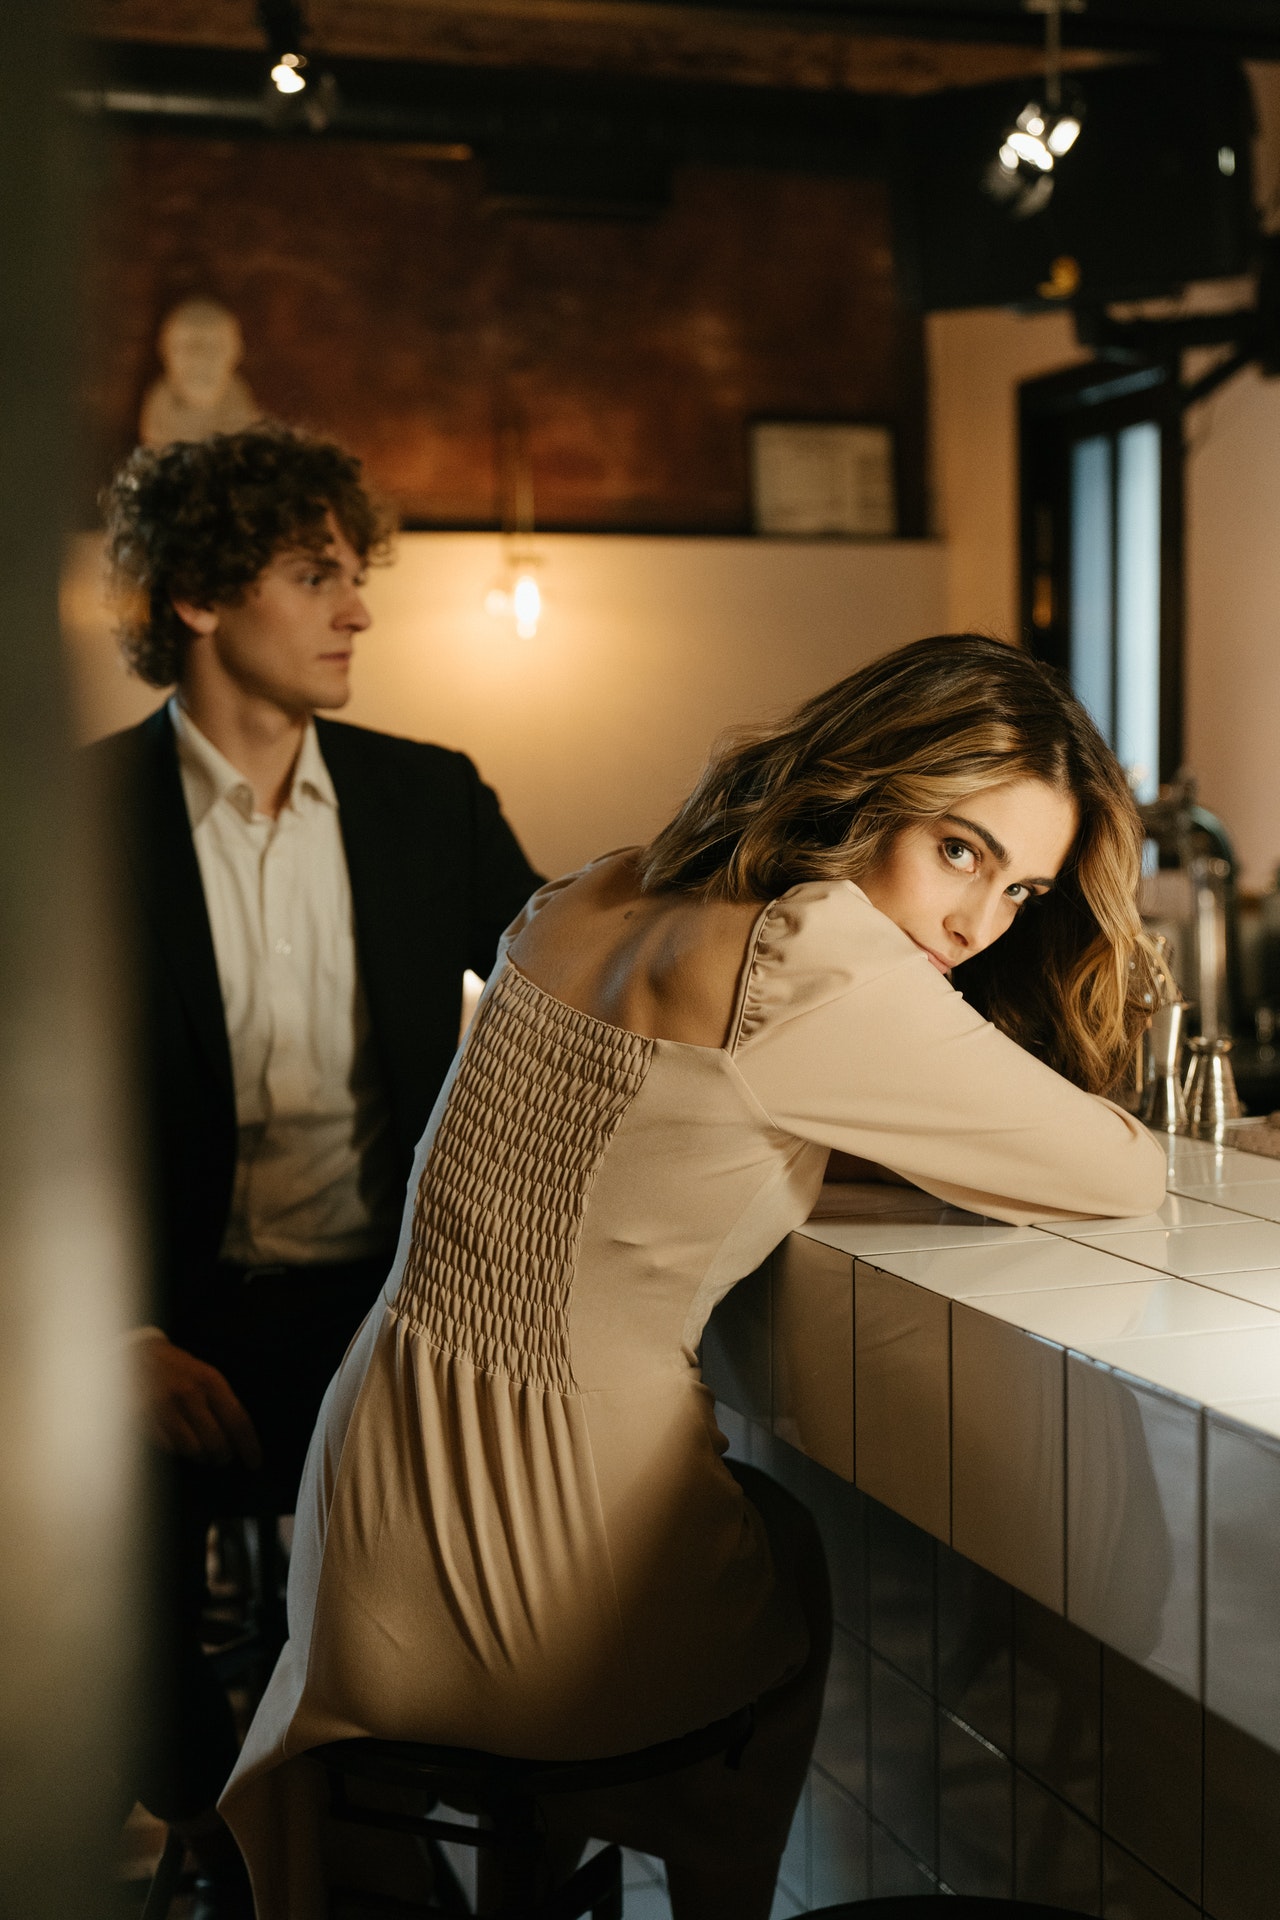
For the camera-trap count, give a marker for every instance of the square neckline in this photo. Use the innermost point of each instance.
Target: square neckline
(728, 1048)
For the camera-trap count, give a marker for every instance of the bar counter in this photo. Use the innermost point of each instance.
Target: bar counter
(1090, 1413)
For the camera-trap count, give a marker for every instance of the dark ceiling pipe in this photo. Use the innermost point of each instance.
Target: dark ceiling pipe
(655, 124)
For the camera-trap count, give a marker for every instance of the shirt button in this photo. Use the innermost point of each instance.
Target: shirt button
(283, 946)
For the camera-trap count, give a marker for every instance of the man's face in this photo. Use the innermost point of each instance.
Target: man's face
(291, 638)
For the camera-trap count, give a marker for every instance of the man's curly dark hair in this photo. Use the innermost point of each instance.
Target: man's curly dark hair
(201, 520)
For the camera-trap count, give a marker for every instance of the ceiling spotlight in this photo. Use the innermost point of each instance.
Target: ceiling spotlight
(287, 73)
(298, 94)
(1063, 135)
(1021, 175)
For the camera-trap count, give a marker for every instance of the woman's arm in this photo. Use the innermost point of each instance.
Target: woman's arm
(852, 1039)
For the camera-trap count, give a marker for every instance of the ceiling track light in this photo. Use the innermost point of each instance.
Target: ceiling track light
(284, 25)
(1021, 175)
(287, 75)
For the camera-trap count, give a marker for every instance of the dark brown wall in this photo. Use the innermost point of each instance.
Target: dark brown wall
(383, 301)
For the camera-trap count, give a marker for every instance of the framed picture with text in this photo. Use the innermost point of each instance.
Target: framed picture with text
(811, 479)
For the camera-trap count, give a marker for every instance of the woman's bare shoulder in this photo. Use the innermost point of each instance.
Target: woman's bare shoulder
(666, 965)
(574, 893)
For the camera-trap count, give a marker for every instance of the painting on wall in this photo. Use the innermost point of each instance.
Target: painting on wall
(381, 297)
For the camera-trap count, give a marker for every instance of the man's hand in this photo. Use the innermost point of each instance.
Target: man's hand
(191, 1410)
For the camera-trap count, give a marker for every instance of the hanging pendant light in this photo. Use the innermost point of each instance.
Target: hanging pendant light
(515, 595)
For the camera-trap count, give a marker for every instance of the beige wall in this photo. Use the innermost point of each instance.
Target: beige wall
(976, 361)
(1233, 615)
(593, 731)
(1233, 575)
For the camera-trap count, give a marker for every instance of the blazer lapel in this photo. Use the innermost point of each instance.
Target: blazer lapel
(168, 877)
(410, 934)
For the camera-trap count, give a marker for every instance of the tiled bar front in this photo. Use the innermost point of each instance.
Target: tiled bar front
(1046, 1464)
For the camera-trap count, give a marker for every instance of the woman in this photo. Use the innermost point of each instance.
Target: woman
(516, 1531)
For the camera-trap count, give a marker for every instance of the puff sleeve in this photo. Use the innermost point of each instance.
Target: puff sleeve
(848, 1037)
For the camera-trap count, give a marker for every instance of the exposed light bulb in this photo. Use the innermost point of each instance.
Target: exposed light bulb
(1226, 161)
(1029, 147)
(287, 74)
(526, 604)
(1009, 158)
(516, 596)
(1063, 135)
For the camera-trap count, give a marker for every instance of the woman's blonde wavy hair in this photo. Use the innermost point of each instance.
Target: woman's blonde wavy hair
(822, 794)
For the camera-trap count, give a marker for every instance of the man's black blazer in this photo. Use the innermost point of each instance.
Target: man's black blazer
(436, 875)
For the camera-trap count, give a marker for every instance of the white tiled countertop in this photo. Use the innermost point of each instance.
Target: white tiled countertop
(1090, 1410)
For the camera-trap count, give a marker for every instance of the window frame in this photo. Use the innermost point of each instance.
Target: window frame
(1055, 412)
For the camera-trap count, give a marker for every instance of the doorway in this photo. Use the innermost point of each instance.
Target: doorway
(1101, 551)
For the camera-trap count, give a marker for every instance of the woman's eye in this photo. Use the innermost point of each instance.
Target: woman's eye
(960, 854)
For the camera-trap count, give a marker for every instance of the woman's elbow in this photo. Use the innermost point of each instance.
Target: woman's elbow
(1136, 1180)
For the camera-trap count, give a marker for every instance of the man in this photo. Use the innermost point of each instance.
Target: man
(306, 897)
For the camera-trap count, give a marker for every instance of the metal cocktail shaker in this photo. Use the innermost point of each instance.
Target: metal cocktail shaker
(1211, 1097)
(1163, 1105)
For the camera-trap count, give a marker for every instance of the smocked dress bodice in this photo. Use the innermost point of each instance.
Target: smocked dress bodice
(516, 1530)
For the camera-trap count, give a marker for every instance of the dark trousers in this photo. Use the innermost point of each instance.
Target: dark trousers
(278, 1335)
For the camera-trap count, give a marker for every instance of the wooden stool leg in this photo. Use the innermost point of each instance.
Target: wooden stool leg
(519, 1855)
(445, 1885)
(595, 1889)
(608, 1903)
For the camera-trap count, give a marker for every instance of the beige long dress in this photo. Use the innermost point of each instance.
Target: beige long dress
(515, 1530)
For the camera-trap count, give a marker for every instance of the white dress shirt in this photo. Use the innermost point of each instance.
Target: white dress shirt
(311, 1182)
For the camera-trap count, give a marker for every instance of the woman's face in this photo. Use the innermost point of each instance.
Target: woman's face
(956, 884)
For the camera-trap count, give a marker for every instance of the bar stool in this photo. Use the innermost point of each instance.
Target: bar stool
(922, 1906)
(413, 1779)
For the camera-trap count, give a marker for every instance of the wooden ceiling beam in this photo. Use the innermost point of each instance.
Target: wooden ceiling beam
(635, 37)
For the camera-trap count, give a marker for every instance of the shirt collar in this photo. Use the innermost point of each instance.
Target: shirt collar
(208, 776)
(311, 775)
